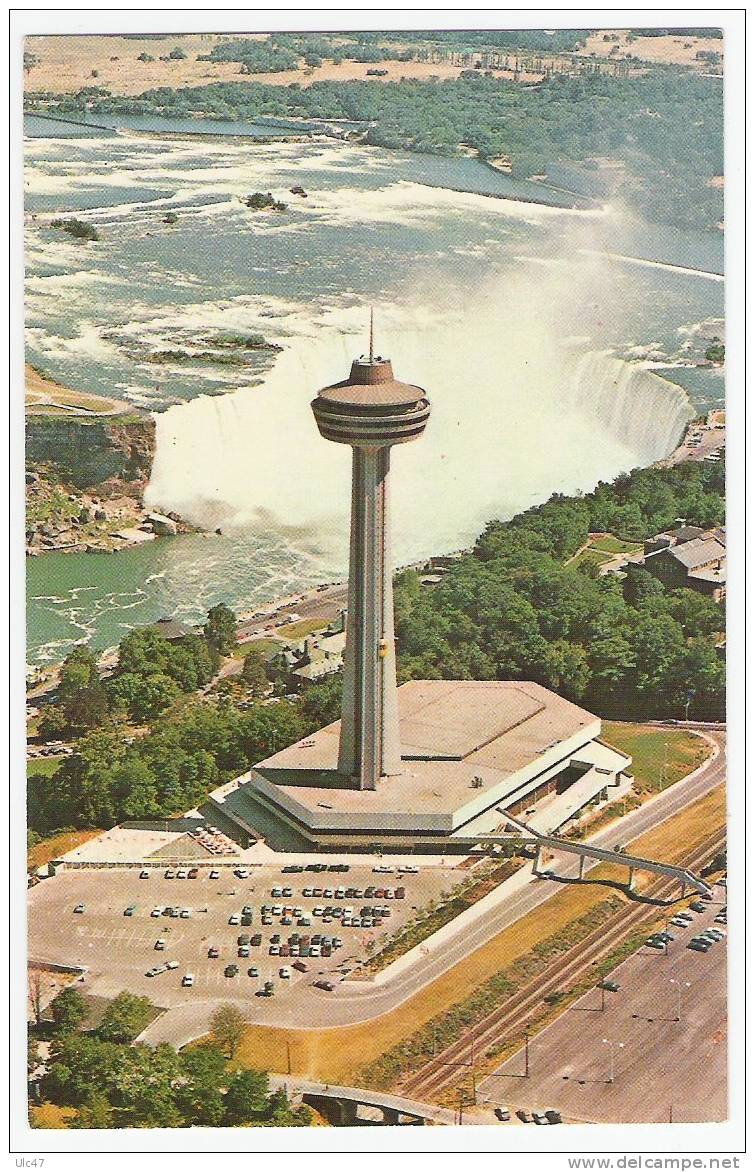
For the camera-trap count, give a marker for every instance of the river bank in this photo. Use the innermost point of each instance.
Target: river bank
(88, 460)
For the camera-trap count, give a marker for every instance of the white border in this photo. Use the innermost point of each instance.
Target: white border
(715, 1139)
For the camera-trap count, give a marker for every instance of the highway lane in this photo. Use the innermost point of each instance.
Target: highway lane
(667, 1024)
(353, 1002)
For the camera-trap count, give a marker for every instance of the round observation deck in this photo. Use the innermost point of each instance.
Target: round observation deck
(370, 408)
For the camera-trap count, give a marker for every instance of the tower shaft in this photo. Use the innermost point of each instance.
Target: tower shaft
(369, 746)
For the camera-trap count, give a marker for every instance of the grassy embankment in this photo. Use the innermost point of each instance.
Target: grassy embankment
(378, 1050)
(52, 848)
(45, 396)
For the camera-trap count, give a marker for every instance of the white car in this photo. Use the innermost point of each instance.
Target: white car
(185, 913)
(241, 873)
(173, 964)
(318, 909)
(182, 873)
(382, 870)
(214, 874)
(408, 870)
(188, 980)
(284, 973)
(144, 874)
(156, 912)
(234, 919)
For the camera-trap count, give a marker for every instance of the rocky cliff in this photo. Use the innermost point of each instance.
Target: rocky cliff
(113, 456)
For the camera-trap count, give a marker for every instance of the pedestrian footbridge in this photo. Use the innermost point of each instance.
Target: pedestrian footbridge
(584, 850)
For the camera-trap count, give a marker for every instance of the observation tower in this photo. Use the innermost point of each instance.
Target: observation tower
(371, 411)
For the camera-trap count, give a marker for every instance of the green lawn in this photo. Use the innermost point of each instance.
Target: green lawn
(589, 557)
(42, 766)
(611, 544)
(660, 756)
(264, 645)
(301, 629)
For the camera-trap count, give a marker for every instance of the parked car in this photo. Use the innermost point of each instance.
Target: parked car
(231, 970)
(699, 946)
(502, 1114)
(181, 873)
(185, 913)
(284, 973)
(300, 966)
(328, 986)
(253, 971)
(553, 1116)
(80, 909)
(655, 942)
(144, 874)
(187, 980)
(697, 906)
(523, 1115)
(540, 1118)
(610, 985)
(170, 873)
(213, 953)
(171, 964)
(160, 945)
(194, 873)
(129, 911)
(234, 920)
(214, 874)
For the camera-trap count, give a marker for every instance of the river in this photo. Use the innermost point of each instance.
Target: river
(516, 316)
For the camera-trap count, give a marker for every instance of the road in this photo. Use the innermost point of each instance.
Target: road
(325, 604)
(667, 1024)
(351, 1003)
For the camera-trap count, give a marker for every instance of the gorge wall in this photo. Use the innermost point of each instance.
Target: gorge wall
(113, 456)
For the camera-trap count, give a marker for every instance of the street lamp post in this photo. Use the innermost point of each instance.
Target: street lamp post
(526, 1053)
(612, 1045)
(679, 986)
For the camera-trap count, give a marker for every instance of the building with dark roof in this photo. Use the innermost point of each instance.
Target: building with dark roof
(699, 563)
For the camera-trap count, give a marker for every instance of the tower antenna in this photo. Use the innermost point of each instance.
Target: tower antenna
(372, 323)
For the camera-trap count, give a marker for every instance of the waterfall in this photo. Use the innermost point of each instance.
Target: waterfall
(648, 411)
(515, 417)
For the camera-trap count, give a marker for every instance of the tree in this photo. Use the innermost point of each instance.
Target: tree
(227, 1028)
(53, 723)
(254, 672)
(96, 1114)
(246, 1096)
(36, 987)
(199, 1094)
(220, 630)
(125, 1018)
(68, 1010)
(81, 694)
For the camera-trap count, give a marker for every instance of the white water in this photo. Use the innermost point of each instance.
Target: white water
(516, 416)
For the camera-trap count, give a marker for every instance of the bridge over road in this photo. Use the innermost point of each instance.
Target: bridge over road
(342, 1105)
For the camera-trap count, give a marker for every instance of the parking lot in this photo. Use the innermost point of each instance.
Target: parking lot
(652, 1051)
(118, 949)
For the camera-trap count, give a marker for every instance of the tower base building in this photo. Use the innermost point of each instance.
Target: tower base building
(471, 751)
